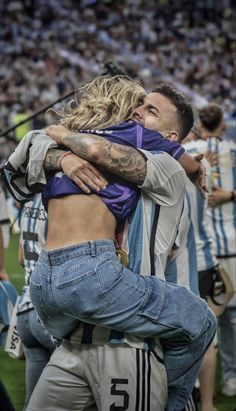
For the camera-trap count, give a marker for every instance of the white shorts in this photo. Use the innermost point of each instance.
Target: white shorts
(103, 378)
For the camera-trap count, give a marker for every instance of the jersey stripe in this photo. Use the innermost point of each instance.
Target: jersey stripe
(137, 380)
(148, 380)
(143, 379)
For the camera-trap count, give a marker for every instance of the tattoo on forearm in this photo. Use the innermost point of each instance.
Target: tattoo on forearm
(52, 159)
(121, 160)
(126, 162)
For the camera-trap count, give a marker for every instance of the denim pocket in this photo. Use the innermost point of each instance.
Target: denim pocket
(84, 289)
(154, 300)
(36, 296)
(81, 295)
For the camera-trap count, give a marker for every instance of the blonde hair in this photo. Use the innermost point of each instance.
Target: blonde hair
(105, 101)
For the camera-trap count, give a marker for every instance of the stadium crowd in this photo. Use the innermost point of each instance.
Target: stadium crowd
(48, 47)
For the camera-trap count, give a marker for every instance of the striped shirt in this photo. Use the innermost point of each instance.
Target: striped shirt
(33, 226)
(223, 217)
(204, 235)
(182, 263)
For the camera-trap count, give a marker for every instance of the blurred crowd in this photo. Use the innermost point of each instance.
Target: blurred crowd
(48, 47)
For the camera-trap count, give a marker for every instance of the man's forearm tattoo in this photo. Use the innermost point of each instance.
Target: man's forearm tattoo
(121, 160)
(52, 159)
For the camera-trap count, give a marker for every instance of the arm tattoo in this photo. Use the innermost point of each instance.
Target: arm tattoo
(52, 159)
(125, 161)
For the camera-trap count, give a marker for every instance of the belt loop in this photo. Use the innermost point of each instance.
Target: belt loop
(92, 248)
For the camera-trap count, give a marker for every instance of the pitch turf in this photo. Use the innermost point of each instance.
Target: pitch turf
(12, 371)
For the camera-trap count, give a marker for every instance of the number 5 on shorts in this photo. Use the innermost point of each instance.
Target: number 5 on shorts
(122, 393)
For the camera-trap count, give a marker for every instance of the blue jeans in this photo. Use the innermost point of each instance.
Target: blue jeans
(38, 348)
(88, 283)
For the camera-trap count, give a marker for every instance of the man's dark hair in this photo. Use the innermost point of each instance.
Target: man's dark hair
(184, 109)
(210, 116)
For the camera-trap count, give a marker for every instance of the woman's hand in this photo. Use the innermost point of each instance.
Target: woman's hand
(200, 181)
(83, 173)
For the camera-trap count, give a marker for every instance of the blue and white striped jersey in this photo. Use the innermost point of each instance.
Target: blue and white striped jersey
(204, 235)
(33, 225)
(181, 266)
(223, 217)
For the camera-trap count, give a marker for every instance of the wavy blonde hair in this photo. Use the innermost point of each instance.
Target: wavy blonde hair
(105, 101)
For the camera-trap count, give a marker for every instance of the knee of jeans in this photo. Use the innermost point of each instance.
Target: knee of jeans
(185, 312)
(208, 331)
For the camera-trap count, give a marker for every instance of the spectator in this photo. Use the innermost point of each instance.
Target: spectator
(222, 215)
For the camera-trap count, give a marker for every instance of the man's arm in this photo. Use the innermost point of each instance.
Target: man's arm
(220, 196)
(121, 160)
(51, 162)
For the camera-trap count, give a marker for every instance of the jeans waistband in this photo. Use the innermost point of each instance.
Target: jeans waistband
(89, 248)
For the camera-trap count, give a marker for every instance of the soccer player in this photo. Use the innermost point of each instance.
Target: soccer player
(222, 215)
(206, 268)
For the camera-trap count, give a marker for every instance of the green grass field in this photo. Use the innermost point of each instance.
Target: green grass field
(12, 371)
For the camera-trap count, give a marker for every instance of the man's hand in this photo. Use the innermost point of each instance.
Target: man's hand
(199, 179)
(218, 197)
(83, 173)
(57, 132)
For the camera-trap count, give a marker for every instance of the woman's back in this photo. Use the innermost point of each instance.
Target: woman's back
(76, 219)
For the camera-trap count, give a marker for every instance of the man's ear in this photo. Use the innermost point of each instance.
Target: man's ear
(173, 135)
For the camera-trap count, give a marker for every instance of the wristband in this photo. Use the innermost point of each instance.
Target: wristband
(62, 156)
(233, 196)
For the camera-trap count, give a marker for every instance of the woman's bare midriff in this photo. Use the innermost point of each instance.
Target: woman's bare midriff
(76, 219)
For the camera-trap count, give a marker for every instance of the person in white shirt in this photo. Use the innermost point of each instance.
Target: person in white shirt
(222, 216)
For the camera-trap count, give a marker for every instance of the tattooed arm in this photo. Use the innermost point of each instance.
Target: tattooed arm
(121, 160)
(51, 162)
